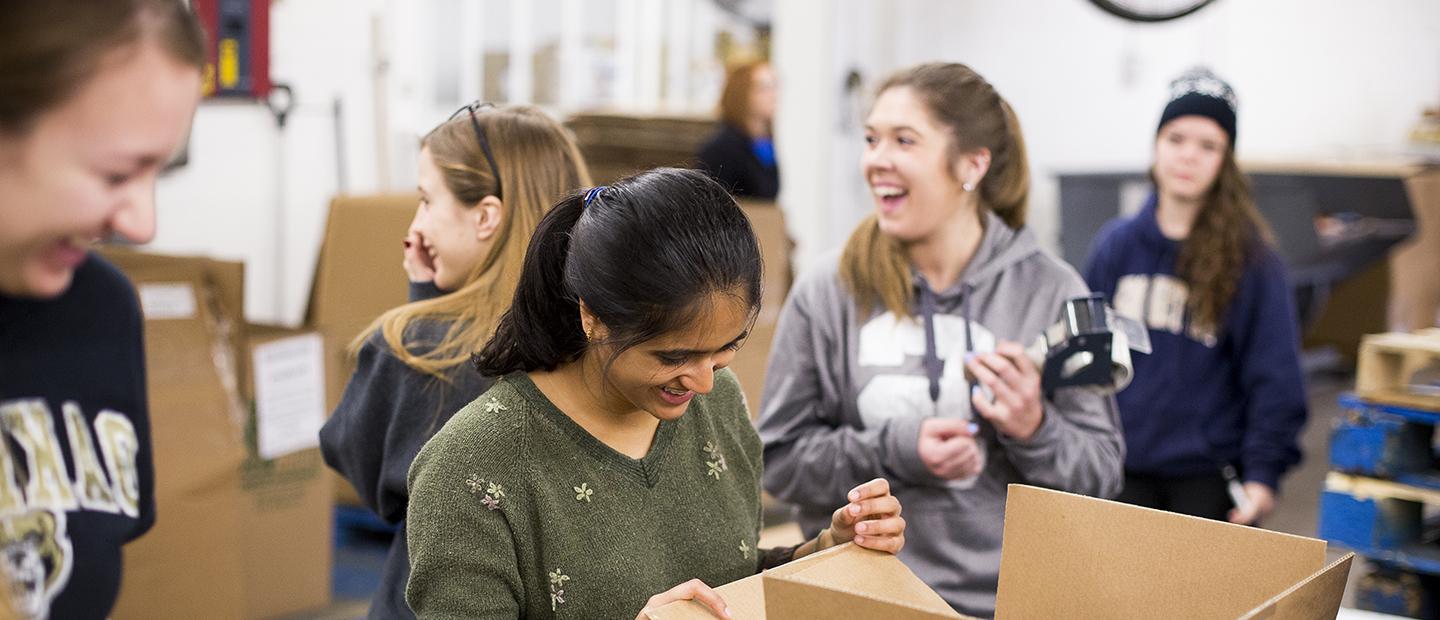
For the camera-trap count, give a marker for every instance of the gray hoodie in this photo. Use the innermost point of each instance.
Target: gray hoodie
(847, 389)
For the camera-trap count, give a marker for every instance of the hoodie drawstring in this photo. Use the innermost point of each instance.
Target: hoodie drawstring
(934, 366)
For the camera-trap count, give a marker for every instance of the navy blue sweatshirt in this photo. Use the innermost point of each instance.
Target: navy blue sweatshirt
(1203, 399)
(76, 475)
(744, 166)
(388, 412)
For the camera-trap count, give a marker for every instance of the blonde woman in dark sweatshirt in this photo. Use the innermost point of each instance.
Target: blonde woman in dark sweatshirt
(486, 178)
(612, 468)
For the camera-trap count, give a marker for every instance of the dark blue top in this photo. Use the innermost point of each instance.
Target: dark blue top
(745, 166)
(1203, 399)
(388, 412)
(764, 150)
(76, 475)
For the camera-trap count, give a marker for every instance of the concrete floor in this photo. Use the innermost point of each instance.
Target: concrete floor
(1296, 513)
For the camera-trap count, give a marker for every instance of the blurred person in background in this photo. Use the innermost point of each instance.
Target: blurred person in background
(1221, 399)
(741, 153)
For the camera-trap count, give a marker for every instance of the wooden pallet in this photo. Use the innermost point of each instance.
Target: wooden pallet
(1381, 520)
(1389, 362)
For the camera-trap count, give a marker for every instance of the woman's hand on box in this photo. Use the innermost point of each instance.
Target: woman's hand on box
(693, 590)
(871, 519)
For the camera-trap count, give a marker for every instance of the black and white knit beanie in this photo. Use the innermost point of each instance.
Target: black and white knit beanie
(1200, 92)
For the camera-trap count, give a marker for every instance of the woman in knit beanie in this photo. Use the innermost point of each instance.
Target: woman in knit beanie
(1212, 416)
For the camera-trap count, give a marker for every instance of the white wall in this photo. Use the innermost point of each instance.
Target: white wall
(1315, 78)
(243, 171)
(398, 67)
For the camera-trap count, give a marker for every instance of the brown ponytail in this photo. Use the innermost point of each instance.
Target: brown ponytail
(1006, 188)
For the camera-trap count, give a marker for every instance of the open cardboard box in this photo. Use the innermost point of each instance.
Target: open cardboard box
(1067, 556)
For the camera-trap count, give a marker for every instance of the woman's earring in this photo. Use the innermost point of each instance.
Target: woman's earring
(969, 187)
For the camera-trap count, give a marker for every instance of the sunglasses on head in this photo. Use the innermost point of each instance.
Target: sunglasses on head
(480, 136)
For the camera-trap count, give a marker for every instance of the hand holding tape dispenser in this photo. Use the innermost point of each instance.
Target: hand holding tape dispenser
(1088, 346)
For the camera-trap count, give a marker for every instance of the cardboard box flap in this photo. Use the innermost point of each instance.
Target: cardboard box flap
(842, 582)
(358, 274)
(1316, 597)
(1080, 557)
(858, 574)
(745, 598)
(791, 600)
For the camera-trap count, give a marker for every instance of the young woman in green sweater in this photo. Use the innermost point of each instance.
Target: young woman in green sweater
(614, 458)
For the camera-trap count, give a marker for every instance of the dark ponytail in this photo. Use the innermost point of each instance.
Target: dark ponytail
(542, 316)
(645, 254)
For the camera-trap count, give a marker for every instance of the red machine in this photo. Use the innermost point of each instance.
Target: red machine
(239, 47)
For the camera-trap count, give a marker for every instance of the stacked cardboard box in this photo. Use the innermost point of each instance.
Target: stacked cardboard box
(1414, 283)
(750, 363)
(619, 144)
(358, 276)
(236, 535)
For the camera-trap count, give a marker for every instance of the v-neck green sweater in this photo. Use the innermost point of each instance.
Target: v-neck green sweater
(518, 512)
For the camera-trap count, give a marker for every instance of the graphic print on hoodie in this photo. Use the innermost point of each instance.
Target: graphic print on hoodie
(891, 347)
(1204, 399)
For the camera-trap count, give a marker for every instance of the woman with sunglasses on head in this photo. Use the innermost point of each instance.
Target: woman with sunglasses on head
(900, 356)
(486, 178)
(95, 98)
(1221, 398)
(613, 467)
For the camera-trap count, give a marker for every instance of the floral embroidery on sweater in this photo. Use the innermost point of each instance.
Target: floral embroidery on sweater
(494, 406)
(492, 491)
(583, 492)
(557, 588)
(716, 466)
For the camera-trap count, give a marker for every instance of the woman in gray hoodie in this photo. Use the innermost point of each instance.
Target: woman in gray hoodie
(899, 357)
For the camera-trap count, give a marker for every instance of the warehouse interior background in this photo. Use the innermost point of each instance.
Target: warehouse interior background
(1339, 121)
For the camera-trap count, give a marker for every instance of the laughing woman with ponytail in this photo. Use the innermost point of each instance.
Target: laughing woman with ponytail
(1221, 399)
(614, 458)
(899, 357)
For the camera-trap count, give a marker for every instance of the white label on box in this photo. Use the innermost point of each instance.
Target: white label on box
(167, 300)
(289, 395)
